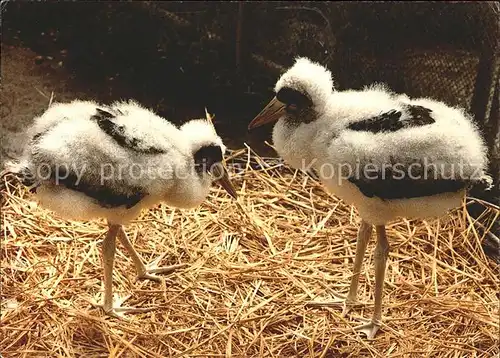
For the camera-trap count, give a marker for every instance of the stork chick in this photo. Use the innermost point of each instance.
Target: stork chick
(86, 160)
(388, 155)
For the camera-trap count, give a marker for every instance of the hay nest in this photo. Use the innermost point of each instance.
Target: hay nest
(252, 269)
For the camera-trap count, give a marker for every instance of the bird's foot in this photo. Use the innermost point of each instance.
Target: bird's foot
(152, 268)
(338, 301)
(370, 328)
(116, 310)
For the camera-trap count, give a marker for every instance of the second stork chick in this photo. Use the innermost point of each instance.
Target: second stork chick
(85, 160)
(388, 155)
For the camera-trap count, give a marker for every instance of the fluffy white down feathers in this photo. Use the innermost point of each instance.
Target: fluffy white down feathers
(311, 78)
(67, 136)
(452, 143)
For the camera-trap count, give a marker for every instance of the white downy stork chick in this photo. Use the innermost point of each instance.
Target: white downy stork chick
(85, 160)
(388, 155)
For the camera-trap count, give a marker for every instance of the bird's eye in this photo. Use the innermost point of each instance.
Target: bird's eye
(291, 108)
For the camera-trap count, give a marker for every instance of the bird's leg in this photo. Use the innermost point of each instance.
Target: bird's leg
(145, 271)
(381, 254)
(108, 253)
(108, 258)
(364, 234)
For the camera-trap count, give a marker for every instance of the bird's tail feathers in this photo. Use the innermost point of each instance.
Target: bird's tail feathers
(18, 171)
(485, 189)
(484, 182)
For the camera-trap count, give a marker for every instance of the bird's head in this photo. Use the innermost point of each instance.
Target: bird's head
(301, 93)
(208, 152)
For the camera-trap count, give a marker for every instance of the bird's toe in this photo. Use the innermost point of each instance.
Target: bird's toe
(338, 301)
(347, 307)
(116, 310)
(115, 314)
(153, 268)
(149, 276)
(120, 311)
(370, 328)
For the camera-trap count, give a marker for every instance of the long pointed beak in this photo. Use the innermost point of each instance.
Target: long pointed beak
(271, 113)
(222, 177)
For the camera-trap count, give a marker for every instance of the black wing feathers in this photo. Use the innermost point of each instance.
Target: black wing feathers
(420, 116)
(391, 121)
(117, 132)
(106, 196)
(388, 121)
(406, 188)
(405, 184)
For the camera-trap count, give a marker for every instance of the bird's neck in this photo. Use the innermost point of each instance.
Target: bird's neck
(293, 142)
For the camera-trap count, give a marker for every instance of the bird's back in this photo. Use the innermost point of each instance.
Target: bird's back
(387, 129)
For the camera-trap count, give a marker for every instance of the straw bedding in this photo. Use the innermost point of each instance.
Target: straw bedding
(253, 269)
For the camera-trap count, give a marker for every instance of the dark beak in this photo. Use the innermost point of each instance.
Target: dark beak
(271, 113)
(220, 173)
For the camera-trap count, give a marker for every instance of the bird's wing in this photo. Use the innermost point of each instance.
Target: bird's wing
(394, 120)
(107, 193)
(389, 184)
(107, 196)
(118, 132)
(77, 162)
(34, 174)
(402, 154)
